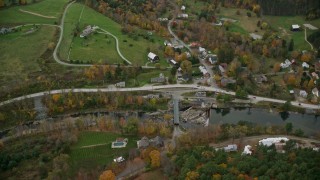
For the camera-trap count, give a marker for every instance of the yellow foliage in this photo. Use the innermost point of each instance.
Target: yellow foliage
(192, 175)
(107, 175)
(216, 177)
(155, 158)
(56, 97)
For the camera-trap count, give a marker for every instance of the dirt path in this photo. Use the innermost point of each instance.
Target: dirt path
(36, 14)
(306, 39)
(92, 145)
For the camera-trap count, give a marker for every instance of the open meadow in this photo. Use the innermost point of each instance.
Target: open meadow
(91, 157)
(19, 52)
(101, 48)
(13, 15)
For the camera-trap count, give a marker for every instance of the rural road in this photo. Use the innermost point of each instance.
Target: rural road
(254, 99)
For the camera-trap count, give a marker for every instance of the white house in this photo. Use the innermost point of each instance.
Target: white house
(247, 150)
(315, 92)
(183, 8)
(286, 64)
(88, 30)
(270, 141)
(303, 93)
(295, 27)
(153, 57)
(203, 70)
(184, 16)
(173, 62)
(305, 65)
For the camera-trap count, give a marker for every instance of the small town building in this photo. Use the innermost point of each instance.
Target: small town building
(156, 142)
(271, 141)
(143, 143)
(315, 75)
(153, 57)
(160, 79)
(120, 84)
(204, 71)
(286, 64)
(295, 27)
(261, 78)
(303, 93)
(163, 19)
(119, 143)
(255, 36)
(231, 148)
(173, 62)
(315, 92)
(183, 8)
(183, 16)
(88, 30)
(212, 58)
(305, 65)
(247, 150)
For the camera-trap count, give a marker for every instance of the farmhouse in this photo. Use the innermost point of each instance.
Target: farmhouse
(204, 71)
(305, 65)
(286, 64)
(247, 150)
(303, 93)
(230, 148)
(295, 27)
(88, 30)
(173, 62)
(5, 30)
(153, 57)
(315, 92)
(183, 16)
(269, 141)
(120, 84)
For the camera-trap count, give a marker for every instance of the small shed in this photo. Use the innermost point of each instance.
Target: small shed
(153, 57)
(295, 27)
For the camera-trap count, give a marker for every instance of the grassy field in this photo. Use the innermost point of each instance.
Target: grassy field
(134, 50)
(283, 25)
(19, 52)
(99, 155)
(11, 16)
(144, 78)
(245, 24)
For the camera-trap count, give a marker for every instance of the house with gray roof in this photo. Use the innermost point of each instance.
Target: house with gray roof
(143, 142)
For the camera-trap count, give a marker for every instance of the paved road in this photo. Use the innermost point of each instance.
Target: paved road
(305, 38)
(254, 99)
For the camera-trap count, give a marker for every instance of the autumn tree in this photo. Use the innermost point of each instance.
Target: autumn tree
(291, 79)
(169, 51)
(276, 67)
(102, 7)
(306, 57)
(22, 2)
(107, 175)
(186, 67)
(192, 175)
(166, 117)
(155, 158)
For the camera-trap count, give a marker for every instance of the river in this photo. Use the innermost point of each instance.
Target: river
(310, 124)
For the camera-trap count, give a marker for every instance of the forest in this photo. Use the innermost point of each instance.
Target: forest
(265, 163)
(310, 8)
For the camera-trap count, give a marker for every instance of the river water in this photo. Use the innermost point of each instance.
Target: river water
(310, 124)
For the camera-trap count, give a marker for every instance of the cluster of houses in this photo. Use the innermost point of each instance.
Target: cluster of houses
(145, 142)
(287, 63)
(88, 30)
(278, 142)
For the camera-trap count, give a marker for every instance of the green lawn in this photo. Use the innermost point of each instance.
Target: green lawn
(11, 16)
(133, 50)
(283, 25)
(100, 155)
(144, 78)
(19, 53)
